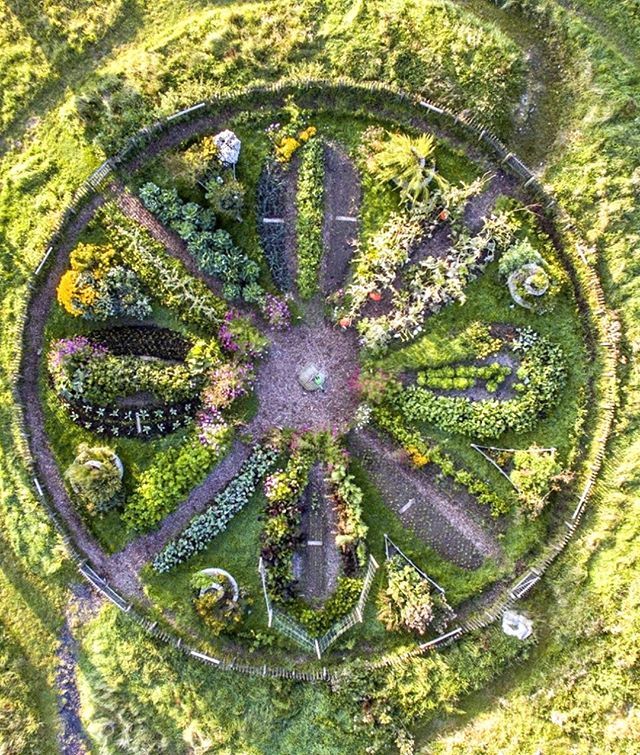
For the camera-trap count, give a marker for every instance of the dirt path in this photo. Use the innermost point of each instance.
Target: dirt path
(82, 607)
(283, 401)
(141, 550)
(343, 196)
(45, 464)
(448, 520)
(317, 564)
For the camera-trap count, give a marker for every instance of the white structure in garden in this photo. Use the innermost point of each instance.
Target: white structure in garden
(516, 625)
(228, 146)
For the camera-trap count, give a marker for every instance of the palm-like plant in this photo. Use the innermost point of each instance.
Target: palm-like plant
(407, 161)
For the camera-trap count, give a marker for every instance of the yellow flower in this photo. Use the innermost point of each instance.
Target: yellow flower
(418, 459)
(286, 148)
(309, 132)
(67, 293)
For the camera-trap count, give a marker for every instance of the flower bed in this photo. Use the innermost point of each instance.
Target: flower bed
(542, 374)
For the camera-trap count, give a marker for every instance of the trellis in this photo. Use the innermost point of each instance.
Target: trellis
(294, 630)
(481, 450)
(447, 613)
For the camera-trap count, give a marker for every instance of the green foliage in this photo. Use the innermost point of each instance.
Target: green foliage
(186, 296)
(461, 377)
(310, 215)
(95, 478)
(406, 603)
(225, 195)
(533, 476)
(214, 250)
(542, 375)
(170, 478)
(204, 527)
(97, 286)
(319, 620)
(101, 378)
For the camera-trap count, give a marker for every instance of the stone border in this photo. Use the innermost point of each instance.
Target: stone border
(602, 325)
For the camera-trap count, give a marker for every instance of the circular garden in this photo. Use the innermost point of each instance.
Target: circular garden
(312, 373)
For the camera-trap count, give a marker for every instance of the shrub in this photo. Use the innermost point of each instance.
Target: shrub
(533, 475)
(225, 195)
(95, 478)
(203, 528)
(310, 206)
(97, 286)
(406, 603)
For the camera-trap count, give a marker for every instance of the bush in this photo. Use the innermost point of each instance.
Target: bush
(406, 603)
(95, 478)
(533, 474)
(97, 286)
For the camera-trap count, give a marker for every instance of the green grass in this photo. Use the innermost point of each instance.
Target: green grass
(236, 550)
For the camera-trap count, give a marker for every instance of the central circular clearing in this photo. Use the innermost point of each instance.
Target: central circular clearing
(283, 400)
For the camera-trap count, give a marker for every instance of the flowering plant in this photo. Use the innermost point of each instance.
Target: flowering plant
(276, 311)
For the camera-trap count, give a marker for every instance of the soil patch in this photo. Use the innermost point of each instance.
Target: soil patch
(283, 401)
(342, 199)
(448, 520)
(317, 563)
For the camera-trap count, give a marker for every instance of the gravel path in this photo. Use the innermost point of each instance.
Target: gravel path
(342, 199)
(448, 520)
(317, 567)
(283, 401)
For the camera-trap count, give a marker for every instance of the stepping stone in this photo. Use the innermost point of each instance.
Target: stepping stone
(314, 542)
(272, 220)
(346, 219)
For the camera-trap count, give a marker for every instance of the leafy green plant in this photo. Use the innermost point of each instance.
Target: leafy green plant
(204, 527)
(310, 207)
(534, 474)
(406, 161)
(214, 250)
(170, 478)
